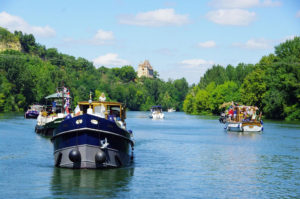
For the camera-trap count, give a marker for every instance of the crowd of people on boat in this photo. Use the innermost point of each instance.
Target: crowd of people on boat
(240, 113)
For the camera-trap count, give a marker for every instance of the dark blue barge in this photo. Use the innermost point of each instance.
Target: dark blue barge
(96, 137)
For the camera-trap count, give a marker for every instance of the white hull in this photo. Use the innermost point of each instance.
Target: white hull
(240, 127)
(157, 115)
(252, 128)
(234, 127)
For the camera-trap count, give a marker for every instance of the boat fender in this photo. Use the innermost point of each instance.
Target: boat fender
(75, 156)
(100, 157)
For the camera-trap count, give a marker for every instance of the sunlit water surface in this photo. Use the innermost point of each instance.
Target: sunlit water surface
(181, 156)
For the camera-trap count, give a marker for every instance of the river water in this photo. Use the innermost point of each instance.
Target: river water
(181, 156)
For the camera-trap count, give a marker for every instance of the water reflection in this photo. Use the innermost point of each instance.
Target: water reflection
(86, 183)
(9, 115)
(252, 135)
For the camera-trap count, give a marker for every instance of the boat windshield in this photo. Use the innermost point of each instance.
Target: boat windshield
(156, 109)
(103, 109)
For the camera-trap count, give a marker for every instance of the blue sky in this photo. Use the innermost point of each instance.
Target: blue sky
(179, 38)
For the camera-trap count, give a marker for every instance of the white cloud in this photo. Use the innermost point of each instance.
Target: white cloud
(160, 17)
(104, 35)
(13, 23)
(196, 63)
(270, 3)
(233, 3)
(207, 44)
(290, 37)
(255, 44)
(235, 17)
(101, 37)
(298, 14)
(110, 59)
(243, 3)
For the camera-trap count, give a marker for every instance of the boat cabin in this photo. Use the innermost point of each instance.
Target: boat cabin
(56, 101)
(156, 109)
(108, 110)
(35, 107)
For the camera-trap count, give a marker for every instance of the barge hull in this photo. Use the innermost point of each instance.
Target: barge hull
(114, 158)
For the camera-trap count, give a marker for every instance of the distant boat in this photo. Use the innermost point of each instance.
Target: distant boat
(52, 115)
(33, 111)
(171, 110)
(156, 112)
(96, 137)
(242, 119)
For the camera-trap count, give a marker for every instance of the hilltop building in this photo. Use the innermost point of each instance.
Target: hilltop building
(145, 69)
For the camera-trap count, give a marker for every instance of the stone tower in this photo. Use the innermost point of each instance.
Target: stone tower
(145, 69)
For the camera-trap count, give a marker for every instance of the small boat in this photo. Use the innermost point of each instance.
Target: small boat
(33, 111)
(156, 112)
(242, 118)
(46, 123)
(170, 110)
(52, 115)
(95, 138)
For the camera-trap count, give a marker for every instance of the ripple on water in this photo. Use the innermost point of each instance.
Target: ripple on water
(181, 156)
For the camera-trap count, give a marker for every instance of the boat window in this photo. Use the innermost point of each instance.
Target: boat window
(114, 112)
(84, 108)
(100, 111)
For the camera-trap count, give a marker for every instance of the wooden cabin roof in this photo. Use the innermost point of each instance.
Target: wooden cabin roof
(99, 103)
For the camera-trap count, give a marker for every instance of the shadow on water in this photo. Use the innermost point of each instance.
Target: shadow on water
(85, 183)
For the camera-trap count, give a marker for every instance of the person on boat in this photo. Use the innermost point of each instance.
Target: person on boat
(254, 114)
(102, 97)
(230, 113)
(54, 106)
(245, 114)
(234, 114)
(112, 116)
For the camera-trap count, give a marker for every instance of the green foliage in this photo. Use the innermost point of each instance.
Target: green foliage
(289, 50)
(215, 74)
(273, 85)
(253, 88)
(27, 77)
(6, 36)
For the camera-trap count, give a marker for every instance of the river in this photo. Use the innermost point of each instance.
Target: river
(182, 156)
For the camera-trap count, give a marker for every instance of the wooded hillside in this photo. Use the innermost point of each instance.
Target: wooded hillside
(273, 85)
(33, 72)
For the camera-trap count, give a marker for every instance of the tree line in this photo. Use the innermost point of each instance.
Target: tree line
(27, 76)
(273, 85)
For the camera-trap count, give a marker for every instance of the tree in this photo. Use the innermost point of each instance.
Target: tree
(289, 50)
(216, 74)
(253, 88)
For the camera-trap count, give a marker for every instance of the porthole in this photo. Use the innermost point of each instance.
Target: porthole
(79, 121)
(94, 122)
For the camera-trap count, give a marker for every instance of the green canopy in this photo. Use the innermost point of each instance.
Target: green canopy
(56, 96)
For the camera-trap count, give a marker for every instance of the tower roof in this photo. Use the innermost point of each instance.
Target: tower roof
(146, 64)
